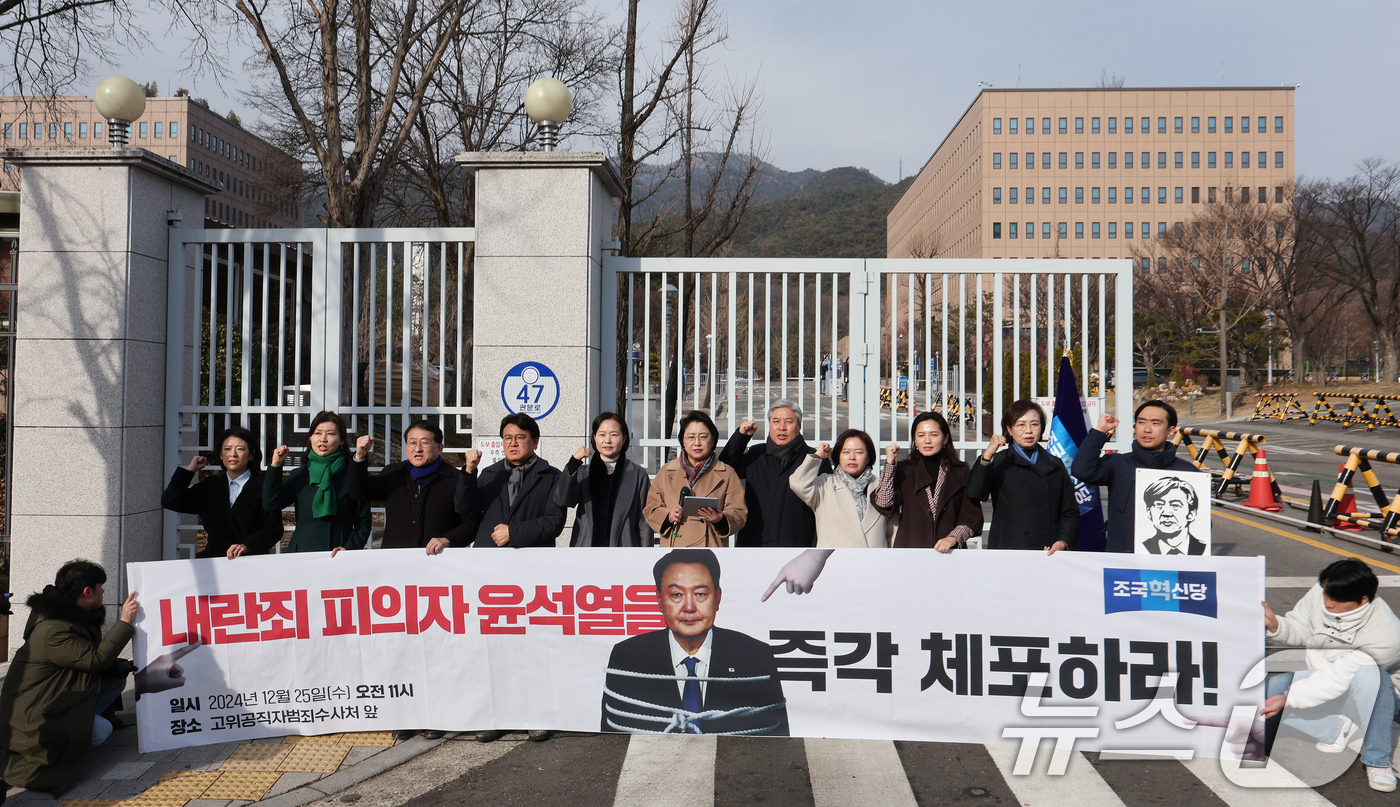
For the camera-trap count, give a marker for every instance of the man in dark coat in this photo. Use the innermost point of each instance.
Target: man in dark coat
(777, 517)
(419, 493)
(63, 677)
(229, 505)
(1154, 426)
(690, 647)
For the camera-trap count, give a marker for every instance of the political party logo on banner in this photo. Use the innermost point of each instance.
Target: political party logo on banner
(1159, 590)
(530, 388)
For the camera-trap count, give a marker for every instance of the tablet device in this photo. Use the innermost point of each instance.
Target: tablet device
(692, 505)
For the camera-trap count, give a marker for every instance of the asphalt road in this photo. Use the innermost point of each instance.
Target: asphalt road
(616, 770)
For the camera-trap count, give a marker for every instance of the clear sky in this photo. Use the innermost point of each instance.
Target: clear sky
(871, 84)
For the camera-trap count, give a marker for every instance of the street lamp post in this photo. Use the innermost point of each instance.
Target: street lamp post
(548, 103)
(121, 101)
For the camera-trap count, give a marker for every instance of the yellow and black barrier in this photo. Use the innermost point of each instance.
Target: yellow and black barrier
(1356, 413)
(901, 398)
(1387, 521)
(1214, 440)
(1278, 406)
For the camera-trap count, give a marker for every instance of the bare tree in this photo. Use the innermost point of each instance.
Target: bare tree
(1112, 81)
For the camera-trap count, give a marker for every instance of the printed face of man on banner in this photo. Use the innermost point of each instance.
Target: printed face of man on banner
(1173, 515)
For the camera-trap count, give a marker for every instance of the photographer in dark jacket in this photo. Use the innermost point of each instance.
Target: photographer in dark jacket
(1030, 488)
(229, 505)
(418, 493)
(777, 517)
(61, 680)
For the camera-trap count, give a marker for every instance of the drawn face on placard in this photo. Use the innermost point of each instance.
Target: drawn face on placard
(1173, 515)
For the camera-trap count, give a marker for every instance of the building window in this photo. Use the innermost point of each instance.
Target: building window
(1229, 124)
(1278, 159)
(1030, 160)
(1045, 126)
(996, 196)
(1094, 125)
(1261, 197)
(1045, 230)
(1064, 159)
(1210, 196)
(1094, 159)
(1064, 230)
(1161, 159)
(1229, 159)
(1013, 123)
(143, 129)
(1079, 126)
(1011, 158)
(68, 131)
(1177, 125)
(1147, 126)
(1094, 196)
(1161, 229)
(1195, 159)
(1161, 196)
(1244, 159)
(174, 129)
(1064, 196)
(1113, 195)
(53, 131)
(1263, 125)
(1161, 126)
(996, 125)
(1113, 229)
(1263, 159)
(158, 127)
(1195, 195)
(996, 160)
(1177, 159)
(1127, 229)
(1113, 126)
(1278, 200)
(1127, 126)
(1278, 124)
(1195, 125)
(1079, 229)
(1146, 195)
(1011, 230)
(1147, 266)
(1030, 196)
(1079, 196)
(1064, 125)
(1030, 126)
(1244, 124)
(194, 134)
(1210, 159)
(1045, 160)
(1079, 159)
(24, 131)
(1011, 192)
(1045, 196)
(1094, 230)
(1127, 159)
(97, 129)
(82, 130)
(996, 229)
(1128, 195)
(1178, 195)
(1113, 159)
(1147, 160)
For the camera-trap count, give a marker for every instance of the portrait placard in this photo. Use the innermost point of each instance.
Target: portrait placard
(1172, 510)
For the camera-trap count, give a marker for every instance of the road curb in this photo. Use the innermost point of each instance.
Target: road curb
(379, 763)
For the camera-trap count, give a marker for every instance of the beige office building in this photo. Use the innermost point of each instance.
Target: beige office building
(253, 174)
(1091, 173)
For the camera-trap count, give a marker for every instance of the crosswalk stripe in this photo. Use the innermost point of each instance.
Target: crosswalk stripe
(667, 764)
(1080, 785)
(1277, 787)
(1274, 448)
(846, 772)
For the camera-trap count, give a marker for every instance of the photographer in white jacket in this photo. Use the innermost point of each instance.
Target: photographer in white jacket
(1353, 656)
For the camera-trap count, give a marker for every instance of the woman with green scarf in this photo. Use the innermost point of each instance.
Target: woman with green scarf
(327, 518)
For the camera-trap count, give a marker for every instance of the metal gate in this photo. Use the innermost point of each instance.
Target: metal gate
(280, 324)
(857, 343)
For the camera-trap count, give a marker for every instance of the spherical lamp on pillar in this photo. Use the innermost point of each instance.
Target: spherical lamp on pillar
(548, 103)
(121, 101)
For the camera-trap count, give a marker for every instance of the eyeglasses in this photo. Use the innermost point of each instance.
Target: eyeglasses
(420, 443)
(515, 439)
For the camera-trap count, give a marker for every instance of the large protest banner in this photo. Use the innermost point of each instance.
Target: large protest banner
(974, 646)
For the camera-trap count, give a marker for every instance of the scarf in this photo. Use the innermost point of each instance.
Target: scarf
(419, 474)
(1154, 459)
(934, 492)
(1343, 627)
(322, 472)
(1035, 452)
(603, 487)
(784, 452)
(857, 485)
(694, 472)
(517, 475)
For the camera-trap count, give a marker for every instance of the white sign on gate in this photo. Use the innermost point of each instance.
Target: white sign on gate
(530, 388)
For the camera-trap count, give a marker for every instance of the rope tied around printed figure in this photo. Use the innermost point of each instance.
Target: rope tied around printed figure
(682, 721)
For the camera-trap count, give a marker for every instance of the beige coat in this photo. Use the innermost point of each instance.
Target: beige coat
(719, 482)
(837, 523)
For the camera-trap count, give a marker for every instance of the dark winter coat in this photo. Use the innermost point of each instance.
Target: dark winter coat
(414, 514)
(1034, 504)
(50, 694)
(1119, 473)
(246, 522)
(535, 519)
(348, 528)
(777, 517)
(627, 526)
(917, 528)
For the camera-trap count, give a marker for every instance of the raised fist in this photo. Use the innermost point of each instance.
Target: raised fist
(470, 460)
(823, 450)
(748, 427)
(363, 445)
(199, 463)
(278, 454)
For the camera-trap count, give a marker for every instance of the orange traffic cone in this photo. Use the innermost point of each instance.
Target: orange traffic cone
(1347, 505)
(1261, 492)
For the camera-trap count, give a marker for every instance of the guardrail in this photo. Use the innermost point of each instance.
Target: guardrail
(1387, 521)
(1355, 414)
(1248, 446)
(1280, 406)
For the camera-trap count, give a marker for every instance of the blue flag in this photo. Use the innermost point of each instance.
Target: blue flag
(1067, 431)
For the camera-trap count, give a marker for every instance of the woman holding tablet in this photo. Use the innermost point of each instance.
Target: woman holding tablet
(696, 474)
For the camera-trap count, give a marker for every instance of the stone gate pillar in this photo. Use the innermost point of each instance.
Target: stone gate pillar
(90, 353)
(541, 221)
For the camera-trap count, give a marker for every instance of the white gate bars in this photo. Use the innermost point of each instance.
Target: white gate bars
(279, 324)
(858, 343)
